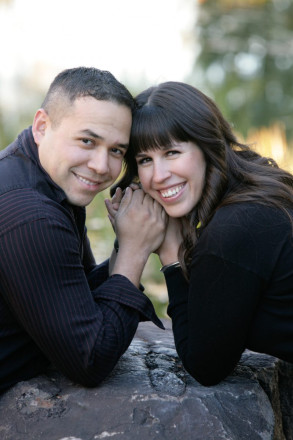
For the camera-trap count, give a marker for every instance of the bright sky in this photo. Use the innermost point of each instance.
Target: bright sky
(140, 41)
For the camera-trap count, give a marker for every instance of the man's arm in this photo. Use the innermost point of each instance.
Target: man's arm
(82, 332)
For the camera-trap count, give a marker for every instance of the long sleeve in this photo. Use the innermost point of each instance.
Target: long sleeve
(56, 305)
(81, 331)
(211, 318)
(239, 295)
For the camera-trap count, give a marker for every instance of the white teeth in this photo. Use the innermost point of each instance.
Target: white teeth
(172, 191)
(88, 182)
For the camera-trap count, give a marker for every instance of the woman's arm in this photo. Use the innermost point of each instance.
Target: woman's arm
(168, 251)
(211, 316)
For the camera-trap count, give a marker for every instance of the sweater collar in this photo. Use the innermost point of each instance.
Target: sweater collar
(31, 150)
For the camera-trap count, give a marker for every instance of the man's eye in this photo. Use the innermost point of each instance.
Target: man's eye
(86, 141)
(117, 151)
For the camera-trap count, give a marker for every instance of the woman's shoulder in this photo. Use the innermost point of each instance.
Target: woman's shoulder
(246, 232)
(256, 216)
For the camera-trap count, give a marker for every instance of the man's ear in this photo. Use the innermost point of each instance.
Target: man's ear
(40, 124)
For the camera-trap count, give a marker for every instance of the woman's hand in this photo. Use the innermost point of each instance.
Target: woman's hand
(140, 222)
(140, 225)
(113, 204)
(168, 251)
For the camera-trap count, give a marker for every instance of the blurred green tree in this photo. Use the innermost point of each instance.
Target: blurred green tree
(246, 60)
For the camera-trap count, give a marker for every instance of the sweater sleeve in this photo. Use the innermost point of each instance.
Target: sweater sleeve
(83, 332)
(211, 316)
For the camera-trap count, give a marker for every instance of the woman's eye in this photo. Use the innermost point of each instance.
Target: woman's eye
(143, 160)
(172, 152)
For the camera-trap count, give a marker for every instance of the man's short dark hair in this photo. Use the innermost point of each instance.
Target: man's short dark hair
(78, 82)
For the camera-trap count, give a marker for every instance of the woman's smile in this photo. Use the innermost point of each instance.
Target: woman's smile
(174, 176)
(172, 193)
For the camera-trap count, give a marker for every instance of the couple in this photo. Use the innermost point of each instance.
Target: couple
(219, 216)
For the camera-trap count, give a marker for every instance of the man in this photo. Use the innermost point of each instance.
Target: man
(56, 305)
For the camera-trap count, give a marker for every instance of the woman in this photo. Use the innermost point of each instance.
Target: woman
(228, 251)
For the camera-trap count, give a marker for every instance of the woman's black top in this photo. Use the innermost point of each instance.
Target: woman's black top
(240, 293)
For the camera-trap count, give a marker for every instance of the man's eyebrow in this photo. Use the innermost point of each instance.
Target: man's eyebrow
(90, 133)
(124, 146)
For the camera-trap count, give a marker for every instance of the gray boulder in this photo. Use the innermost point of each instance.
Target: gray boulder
(150, 396)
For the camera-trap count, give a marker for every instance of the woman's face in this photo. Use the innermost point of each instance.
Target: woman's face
(174, 176)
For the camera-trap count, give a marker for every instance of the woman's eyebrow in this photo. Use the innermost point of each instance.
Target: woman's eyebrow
(141, 154)
(174, 145)
(171, 145)
(164, 148)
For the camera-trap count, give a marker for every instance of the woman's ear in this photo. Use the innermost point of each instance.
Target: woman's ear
(40, 124)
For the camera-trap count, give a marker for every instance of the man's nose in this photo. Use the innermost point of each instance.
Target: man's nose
(99, 162)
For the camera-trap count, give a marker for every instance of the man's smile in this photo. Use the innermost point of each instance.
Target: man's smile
(87, 181)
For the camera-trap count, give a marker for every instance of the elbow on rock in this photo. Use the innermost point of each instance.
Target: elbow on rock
(89, 382)
(208, 381)
(206, 376)
(89, 378)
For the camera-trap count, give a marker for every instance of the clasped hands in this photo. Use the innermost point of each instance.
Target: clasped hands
(142, 223)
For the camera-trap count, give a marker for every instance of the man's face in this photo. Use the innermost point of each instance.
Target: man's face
(83, 153)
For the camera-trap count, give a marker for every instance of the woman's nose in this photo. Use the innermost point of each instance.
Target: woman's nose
(160, 172)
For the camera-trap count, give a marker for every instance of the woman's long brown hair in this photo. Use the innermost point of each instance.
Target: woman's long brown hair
(175, 111)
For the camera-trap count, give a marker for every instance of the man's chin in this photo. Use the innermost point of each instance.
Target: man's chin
(80, 201)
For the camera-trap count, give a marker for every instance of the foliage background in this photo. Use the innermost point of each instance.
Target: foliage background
(246, 60)
(240, 53)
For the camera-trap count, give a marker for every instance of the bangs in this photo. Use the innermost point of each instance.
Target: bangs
(153, 128)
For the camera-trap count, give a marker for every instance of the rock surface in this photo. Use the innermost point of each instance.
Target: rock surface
(150, 396)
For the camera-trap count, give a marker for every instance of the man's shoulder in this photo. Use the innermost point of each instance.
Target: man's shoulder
(19, 142)
(15, 165)
(26, 192)
(26, 205)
